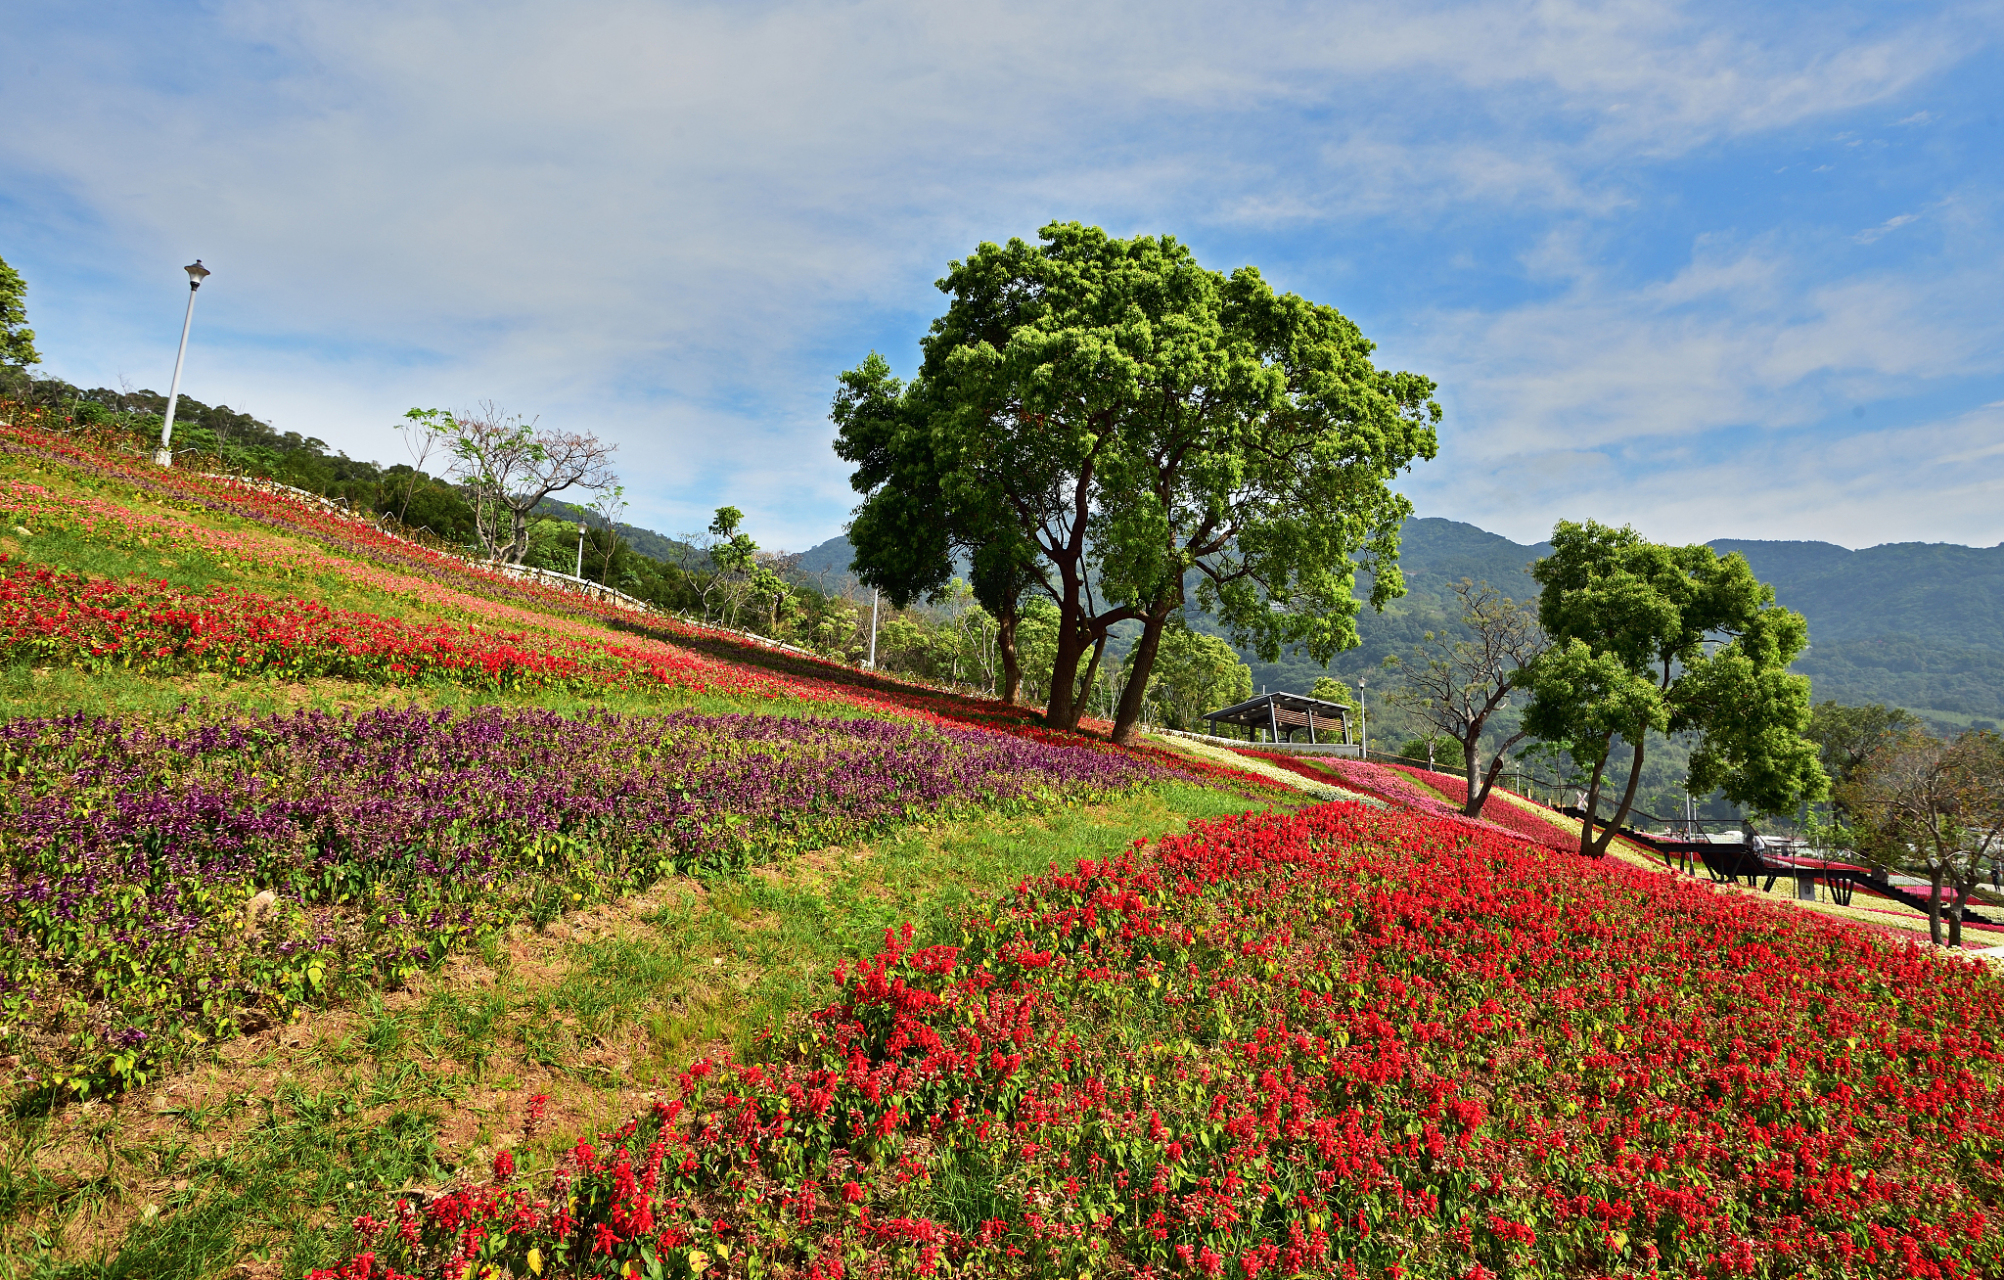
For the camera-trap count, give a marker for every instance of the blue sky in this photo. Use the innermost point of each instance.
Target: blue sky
(1714, 270)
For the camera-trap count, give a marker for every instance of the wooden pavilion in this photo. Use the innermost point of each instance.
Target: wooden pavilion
(1287, 713)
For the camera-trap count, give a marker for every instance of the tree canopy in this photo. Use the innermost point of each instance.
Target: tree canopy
(1648, 638)
(903, 538)
(1329, 689)
(1106, 416)
(510, 465)
(17, 340)
(1846, 737)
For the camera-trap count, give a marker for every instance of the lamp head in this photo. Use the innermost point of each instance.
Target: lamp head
(196, 274)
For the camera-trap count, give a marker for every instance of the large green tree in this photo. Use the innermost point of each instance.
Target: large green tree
(903, 539)
(17, 340)
(1648, 638)
(1118, 420)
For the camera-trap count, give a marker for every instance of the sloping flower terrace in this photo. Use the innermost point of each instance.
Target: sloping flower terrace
(1350, 1042)
(131, 899)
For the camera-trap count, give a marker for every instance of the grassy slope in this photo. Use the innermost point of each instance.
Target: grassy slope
(257, 1158)
(264, 1155)
(251, 1164)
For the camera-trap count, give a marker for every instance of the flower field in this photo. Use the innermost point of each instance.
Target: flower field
(65, 618)
(54, 617)
(1345, 1042)
(439, 578)
(1397, 785)
(168, 885)
(151, 627)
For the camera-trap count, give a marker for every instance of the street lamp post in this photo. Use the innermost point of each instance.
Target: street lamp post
(164, 455)
(1363, 722)
(875, 596)
(581, 534)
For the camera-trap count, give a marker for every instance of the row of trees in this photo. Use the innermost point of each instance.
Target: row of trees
(1101, 425)
(1632, 643)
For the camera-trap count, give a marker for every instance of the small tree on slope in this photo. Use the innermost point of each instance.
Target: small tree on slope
(1934, 805)
(1458, 684)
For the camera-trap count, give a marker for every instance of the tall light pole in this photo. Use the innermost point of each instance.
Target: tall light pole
(581, 534)
(875, 596)
(1363, 723)
(164, 455)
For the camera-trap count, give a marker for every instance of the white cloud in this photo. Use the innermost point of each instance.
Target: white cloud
(1869, 234)
(1925, 482)
(677, 220)
(1735, 338)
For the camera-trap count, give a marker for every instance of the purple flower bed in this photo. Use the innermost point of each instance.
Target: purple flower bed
(170, 882)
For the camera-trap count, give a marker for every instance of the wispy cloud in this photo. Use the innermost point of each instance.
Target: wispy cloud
(1869, 234)
(677, 220)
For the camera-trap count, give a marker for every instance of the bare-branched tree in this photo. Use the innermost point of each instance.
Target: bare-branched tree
(425, 432)
(1457, 684)
(1935, 805)
(511, 466)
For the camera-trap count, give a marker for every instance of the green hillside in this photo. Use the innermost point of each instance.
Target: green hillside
(1946, 594)
(1917, 625)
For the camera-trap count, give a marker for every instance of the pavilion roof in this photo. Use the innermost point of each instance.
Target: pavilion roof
(1287, 709)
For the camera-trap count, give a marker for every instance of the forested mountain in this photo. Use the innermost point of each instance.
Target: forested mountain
(1919, 625)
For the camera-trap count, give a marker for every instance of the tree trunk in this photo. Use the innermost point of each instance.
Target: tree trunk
(1131, 698)
(1012, 671)
(1627, 801)
(1592, 802)
(1472, 801)
(1062, 711)
(1934, 905)
(1955, 912)
(518, 536)
(1489, 778)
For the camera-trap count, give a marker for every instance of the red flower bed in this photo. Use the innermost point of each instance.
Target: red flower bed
(1530, 826)
(150, 626)
(1390, 783)
(1448, 786)
(662, 647)
(1436, 793)
(1344, 1042)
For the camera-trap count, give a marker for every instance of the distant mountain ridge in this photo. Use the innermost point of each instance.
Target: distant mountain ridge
(1912, 624)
